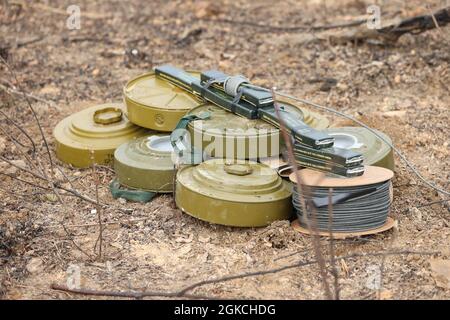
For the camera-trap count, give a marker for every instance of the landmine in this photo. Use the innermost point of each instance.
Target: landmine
(157, 104)
(239, 193)
(146, 164)
(90, 136)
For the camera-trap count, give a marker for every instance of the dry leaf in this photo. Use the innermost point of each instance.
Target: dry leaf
(51, 197)
(344, 268)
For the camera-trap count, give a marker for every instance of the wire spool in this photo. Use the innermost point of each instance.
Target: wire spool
(239, 193)
(227, 135)
(360, 204)
(146, 164)
(91, 135)
(157, 104)
(376, 152)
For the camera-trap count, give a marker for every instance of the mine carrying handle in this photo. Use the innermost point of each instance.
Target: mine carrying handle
(176, 76)
(301, 131)
(256, 96)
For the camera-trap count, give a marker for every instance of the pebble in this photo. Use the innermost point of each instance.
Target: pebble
(10, 169)
(417, 214)
(2, 144)
(35, 265)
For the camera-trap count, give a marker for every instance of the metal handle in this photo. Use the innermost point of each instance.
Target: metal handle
(118, 114)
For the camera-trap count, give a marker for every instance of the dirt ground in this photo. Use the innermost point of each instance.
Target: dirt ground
(401, 89)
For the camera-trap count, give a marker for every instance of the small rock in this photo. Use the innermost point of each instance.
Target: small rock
(12, 170)
(396, 113)
(385, 294)
(204, 239)
(41, 109)
(342, 86)
(205, 9)
(122, 200)
(416, 213)
(116, 245)
(441, 272)
(2, 144)
(35, 265)
(397, 79)
(51, 90)
(185, 240)
(229, 56)
(202, 48)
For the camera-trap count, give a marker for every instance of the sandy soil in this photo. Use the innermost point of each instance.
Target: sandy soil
(401, 89)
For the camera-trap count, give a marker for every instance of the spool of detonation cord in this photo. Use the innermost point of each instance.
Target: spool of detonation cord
(359, 205)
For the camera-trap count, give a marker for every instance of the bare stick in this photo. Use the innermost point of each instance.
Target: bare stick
(444, 35)
(25, 181)
(21, 129)
(287, 28)
(28, 95)
(17, 144)
(392, 32)
(293, 164)
(108, 222)
(334, 270)
(99, 215)
(297, 265)
(32, 111)
(130, 294)
(183, 293)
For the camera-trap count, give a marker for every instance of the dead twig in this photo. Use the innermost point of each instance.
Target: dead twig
(183, 293)
(73, 192)
(13, 73)
(334, 270)
(99, 216)
(33, 144)
(86, 225)
(392, 32)
(287, 28)
(301, 190)
(131, 294)
(297, 265)
(432, 202)
(28, 95)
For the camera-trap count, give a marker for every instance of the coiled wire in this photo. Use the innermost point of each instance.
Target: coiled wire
(365, 212)
(397, 151)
